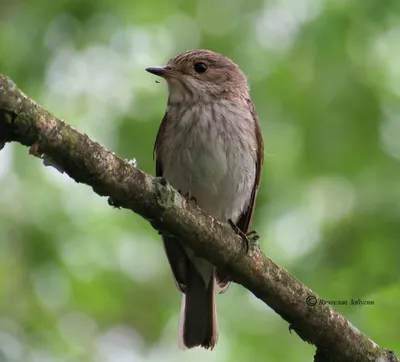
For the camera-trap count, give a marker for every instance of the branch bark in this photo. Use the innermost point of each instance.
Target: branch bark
(85, 161)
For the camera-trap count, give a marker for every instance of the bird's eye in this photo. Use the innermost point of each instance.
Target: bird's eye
(200, 67)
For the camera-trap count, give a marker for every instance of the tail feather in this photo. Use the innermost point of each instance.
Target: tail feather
(198, 324)
(211, 336)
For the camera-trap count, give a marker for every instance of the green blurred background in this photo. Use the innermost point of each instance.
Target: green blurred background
(80, 281)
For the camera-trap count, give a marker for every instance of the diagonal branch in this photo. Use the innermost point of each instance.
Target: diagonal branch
(86, 161)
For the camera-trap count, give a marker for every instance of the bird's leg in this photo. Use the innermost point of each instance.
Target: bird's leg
(188, 196)
(250, 239)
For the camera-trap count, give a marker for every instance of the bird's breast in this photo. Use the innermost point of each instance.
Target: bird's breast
(206, 151)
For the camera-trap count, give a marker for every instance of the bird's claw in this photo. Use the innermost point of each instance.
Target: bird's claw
(188, 196)
(253, 235)
(250, 239)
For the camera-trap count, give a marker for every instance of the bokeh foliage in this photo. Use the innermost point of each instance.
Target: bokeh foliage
(80, 281)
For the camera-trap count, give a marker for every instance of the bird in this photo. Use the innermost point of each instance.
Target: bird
(209, 145)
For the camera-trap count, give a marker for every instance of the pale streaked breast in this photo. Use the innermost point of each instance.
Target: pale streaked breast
(211, 152)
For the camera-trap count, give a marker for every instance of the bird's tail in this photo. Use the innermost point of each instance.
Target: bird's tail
(198, 325)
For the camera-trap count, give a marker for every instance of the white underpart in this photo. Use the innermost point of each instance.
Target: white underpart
(210, 150)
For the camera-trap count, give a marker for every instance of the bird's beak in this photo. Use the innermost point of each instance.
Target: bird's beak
(160, 71)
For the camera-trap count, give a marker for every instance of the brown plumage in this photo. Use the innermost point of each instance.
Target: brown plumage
(209, 144)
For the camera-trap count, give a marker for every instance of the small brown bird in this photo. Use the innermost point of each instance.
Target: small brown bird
(209, 144)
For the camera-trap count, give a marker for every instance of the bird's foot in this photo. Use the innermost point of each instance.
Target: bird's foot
(188, 196)
(250, 239)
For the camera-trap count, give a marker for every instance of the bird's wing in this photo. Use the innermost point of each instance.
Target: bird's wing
(177, 257)
(244, 222)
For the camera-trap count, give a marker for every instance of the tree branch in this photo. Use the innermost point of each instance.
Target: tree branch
(86, 161)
